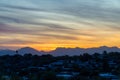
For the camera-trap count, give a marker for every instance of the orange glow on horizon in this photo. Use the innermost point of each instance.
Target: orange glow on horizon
(50, 47)
(47, 48)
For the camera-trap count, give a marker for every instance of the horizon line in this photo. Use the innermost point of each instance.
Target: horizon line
(60, 47)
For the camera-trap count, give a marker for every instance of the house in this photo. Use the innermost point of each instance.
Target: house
(65, 75)
(6, 77)
(109, 76)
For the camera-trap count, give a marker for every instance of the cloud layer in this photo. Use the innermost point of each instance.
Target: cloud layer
(47, 24)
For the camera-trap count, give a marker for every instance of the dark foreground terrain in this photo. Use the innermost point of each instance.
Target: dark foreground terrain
(46, 67)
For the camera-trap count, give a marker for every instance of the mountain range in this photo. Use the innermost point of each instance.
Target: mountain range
(60, 51)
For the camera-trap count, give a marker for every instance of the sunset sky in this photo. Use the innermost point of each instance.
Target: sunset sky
(48, 24)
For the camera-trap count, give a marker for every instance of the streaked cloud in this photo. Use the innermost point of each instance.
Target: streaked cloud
(78, 23)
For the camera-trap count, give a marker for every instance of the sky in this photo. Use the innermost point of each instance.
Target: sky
(48, 24)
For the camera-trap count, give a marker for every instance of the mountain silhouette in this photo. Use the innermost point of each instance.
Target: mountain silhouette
(28, 50)
(78, 51)
(22, 51)
(61, 51)
(7, 52)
